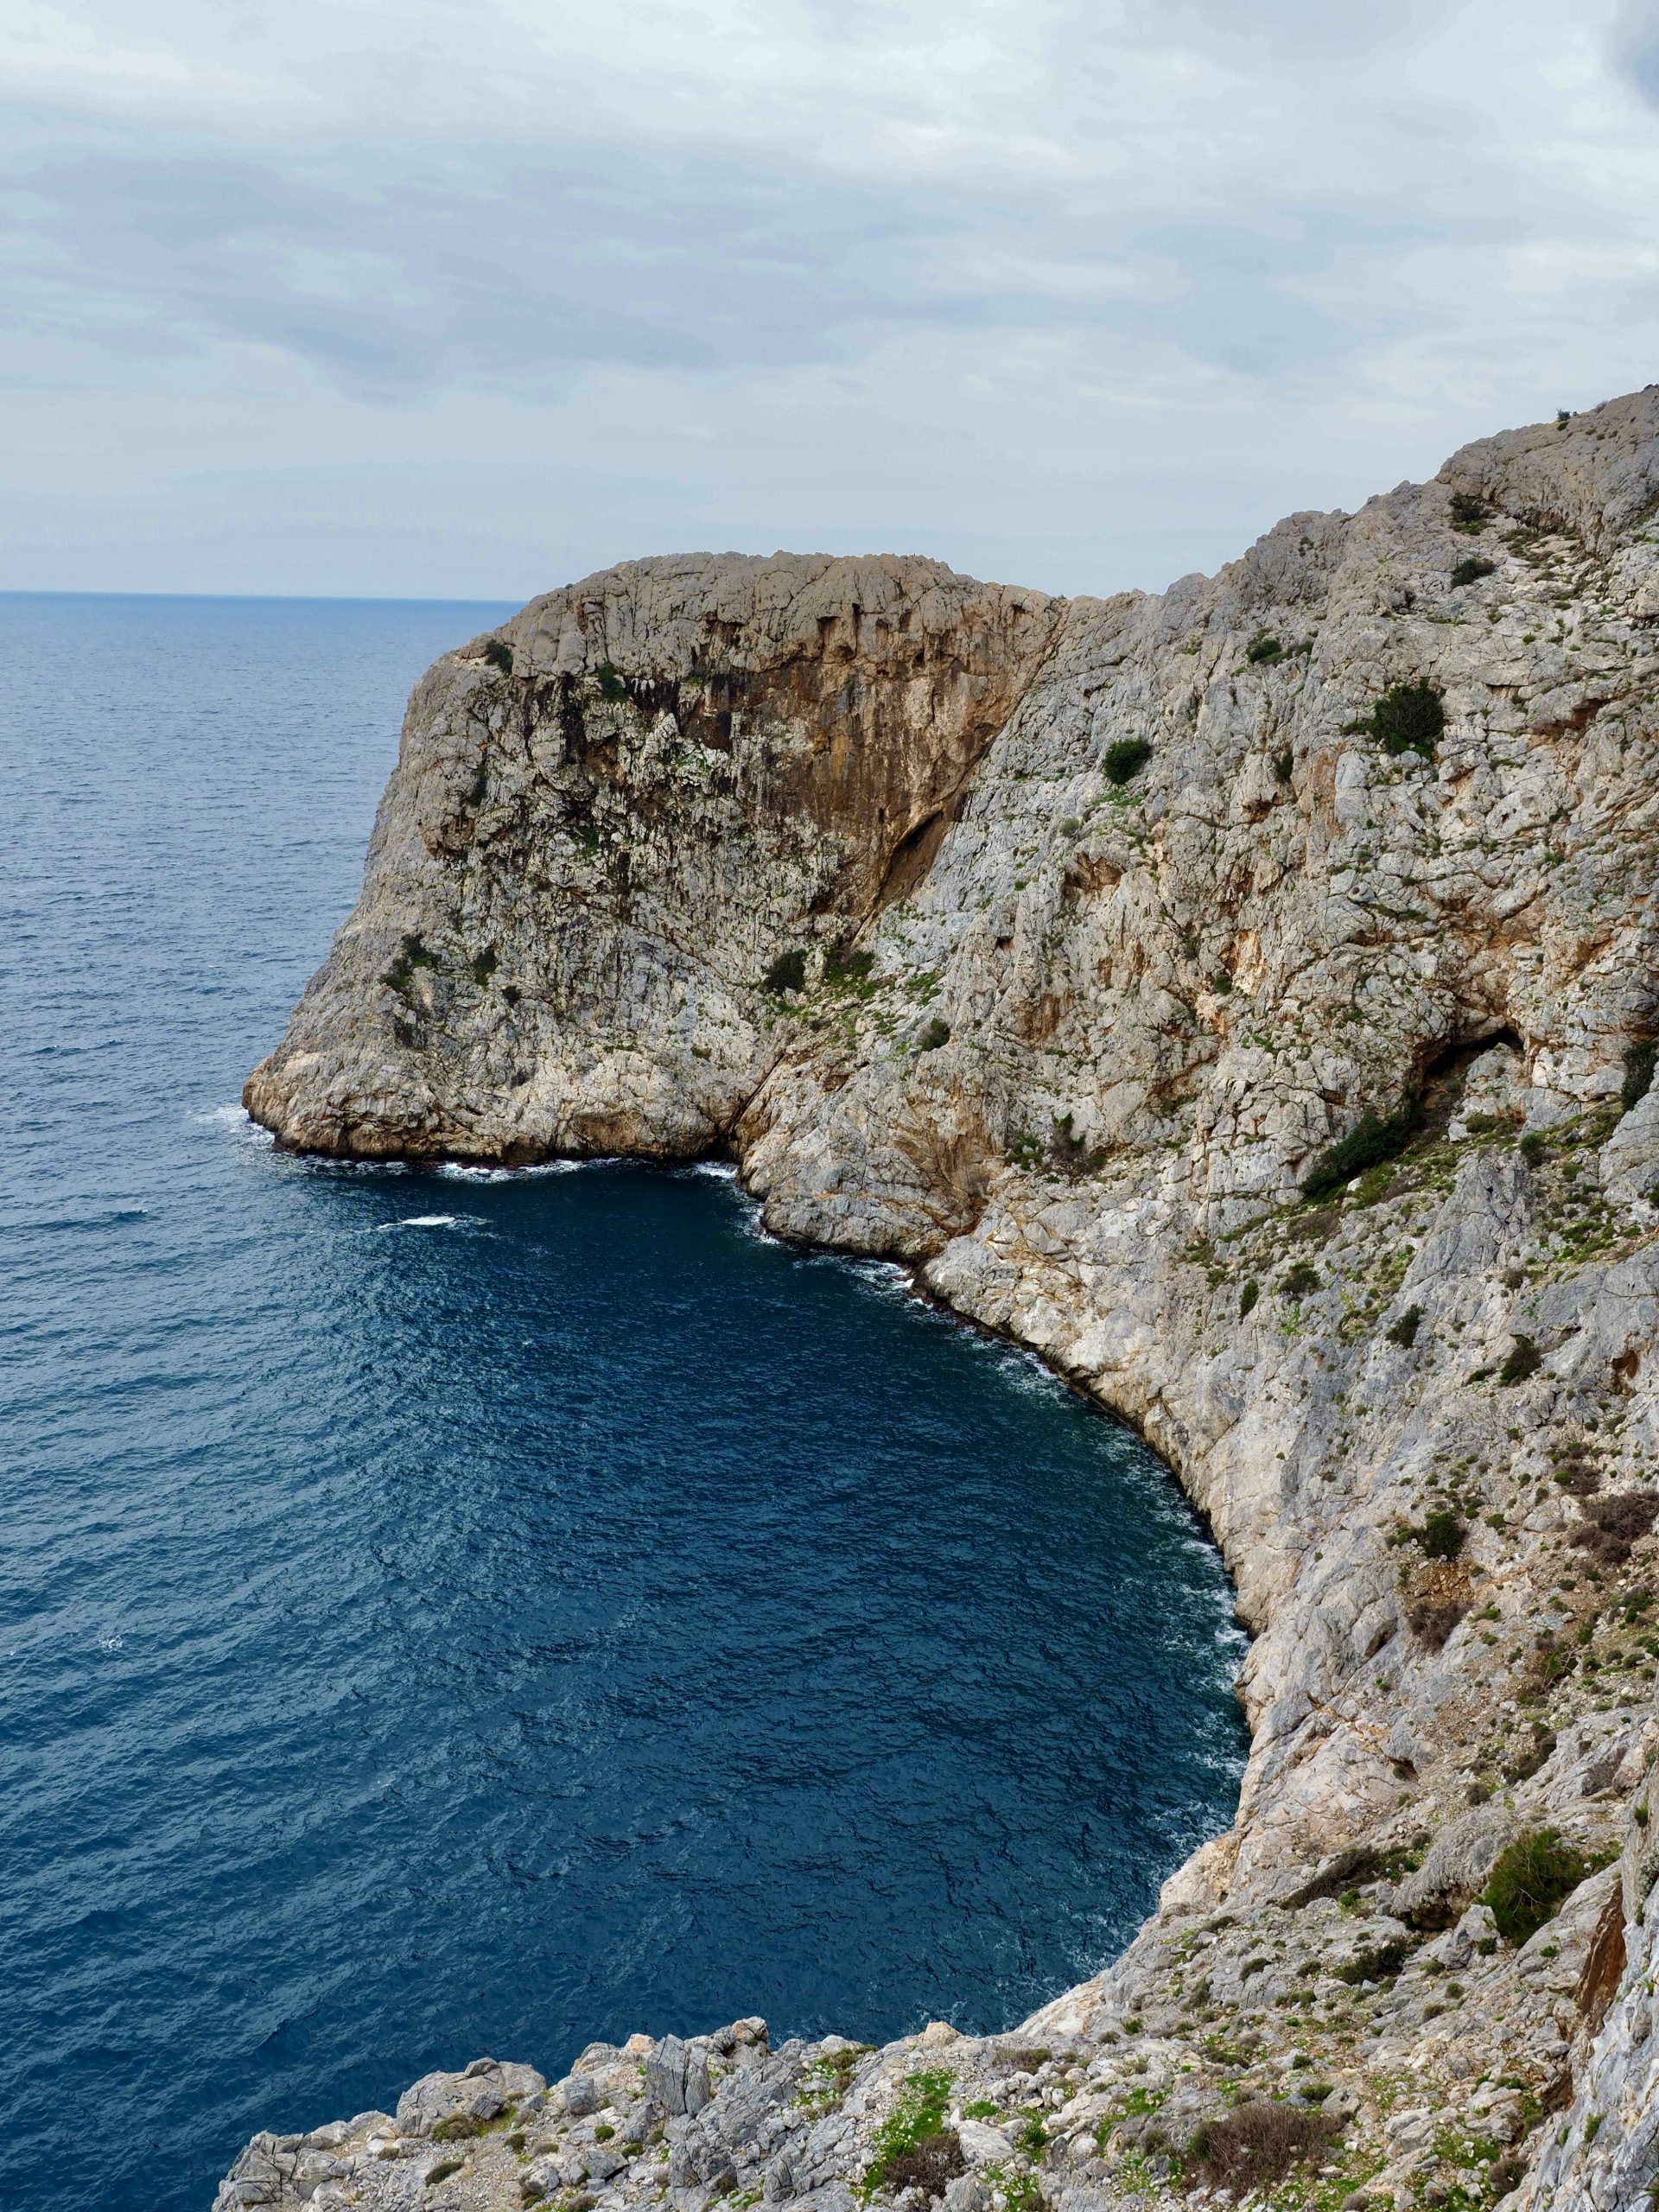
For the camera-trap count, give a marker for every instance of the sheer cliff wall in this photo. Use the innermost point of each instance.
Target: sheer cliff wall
(1051, 946)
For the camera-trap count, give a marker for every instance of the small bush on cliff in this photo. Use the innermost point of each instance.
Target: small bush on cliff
(612, 685)
(1533, 1146)
(1432, 1619)
(1612, 1527)
(935, 2160)
(499, 653)
(1262, 647)
(1126, 758)
(1638, 1071)
(1409, 718)
(1441, 1535)
(843, 966)
(1256, 2145)
(936, 1032)
(1471, 570)
(1374, 1139)
(1247, 1298)
(1299, 1281)
(1534, 1877)
(1524, 1358)
(414, 955)
(786, 973)
(1468, 513)
(1404, 1331)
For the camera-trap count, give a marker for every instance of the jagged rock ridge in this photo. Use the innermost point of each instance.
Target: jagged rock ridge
(853, 868)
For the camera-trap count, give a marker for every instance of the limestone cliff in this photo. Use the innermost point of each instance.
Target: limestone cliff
(1051, 946)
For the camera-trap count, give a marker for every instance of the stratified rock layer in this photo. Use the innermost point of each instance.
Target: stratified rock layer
(844, 866)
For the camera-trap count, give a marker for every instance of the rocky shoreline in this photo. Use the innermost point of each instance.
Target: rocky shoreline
(1245, 997)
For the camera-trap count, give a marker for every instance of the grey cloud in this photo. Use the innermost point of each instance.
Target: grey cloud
(1635, 46)
(402, 272)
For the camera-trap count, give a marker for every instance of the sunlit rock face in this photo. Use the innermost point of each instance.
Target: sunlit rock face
(1051, 946)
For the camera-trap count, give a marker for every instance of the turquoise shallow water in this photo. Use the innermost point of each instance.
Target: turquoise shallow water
(442, 1614)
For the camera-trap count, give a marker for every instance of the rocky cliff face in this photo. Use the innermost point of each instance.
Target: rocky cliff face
(1052, 947)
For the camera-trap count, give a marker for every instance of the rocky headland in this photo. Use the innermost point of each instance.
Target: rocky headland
(1247, 996)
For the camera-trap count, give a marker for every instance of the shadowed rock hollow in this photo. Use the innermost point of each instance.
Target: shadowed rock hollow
(1050, 946)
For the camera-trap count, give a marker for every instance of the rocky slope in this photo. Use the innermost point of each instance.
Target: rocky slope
(1051, 946)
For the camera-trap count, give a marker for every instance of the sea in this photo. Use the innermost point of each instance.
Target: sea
(447, 1613)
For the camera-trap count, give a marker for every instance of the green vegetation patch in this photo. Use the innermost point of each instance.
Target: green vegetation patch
(1523, 1358)
(1639, 1059)
(1125, 760)
(826, 2080)
(1404, 1331)
(1408, 718)
(1263, 647)
(414, 955)
(1374, 1139)
(1534, 1877)
(786, 973)
(1471, 570)
(918, 2114)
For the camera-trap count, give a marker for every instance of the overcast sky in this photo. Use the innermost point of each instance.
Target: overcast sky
(466, 298)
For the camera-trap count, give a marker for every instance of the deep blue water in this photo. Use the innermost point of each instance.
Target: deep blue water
(442, 1614)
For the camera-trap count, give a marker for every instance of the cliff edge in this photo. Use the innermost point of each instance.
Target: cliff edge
(1247, 996)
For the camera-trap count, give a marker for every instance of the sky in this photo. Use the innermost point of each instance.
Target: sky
(467, 298)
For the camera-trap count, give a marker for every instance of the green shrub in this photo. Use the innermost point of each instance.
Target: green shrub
(786, 973)
(414, 955)
(1298, 1282)
(1441, 1535)
(1409, 718)
(442, 2170)
(936, 1032)
(1221, 983)
(499, 653)
(1247, 1298)
(843, 965)
(1468, 513)
(1404, 1331)
(484, 964)
(612, 685)
(1471, 570)
(1534, 1877)
(1533, 1146)
(1373, 1139)
(1262, 647)
(1638, 1071)
(1126, 758)
(1524, 1359)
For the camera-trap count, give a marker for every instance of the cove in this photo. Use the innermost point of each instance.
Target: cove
(445, 1613)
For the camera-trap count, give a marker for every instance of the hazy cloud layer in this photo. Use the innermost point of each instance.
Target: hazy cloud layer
(447, 297)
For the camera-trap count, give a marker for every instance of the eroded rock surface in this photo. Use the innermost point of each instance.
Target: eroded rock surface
(843, 867)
